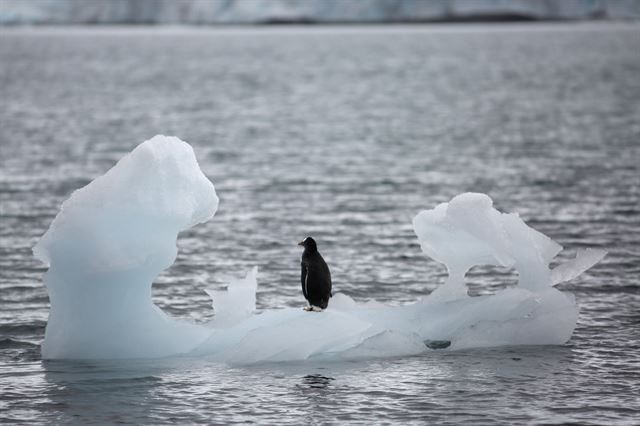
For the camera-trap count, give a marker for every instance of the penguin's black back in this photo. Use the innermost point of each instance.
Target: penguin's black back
(315, 276)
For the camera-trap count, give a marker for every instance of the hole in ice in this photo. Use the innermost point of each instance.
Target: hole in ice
(437, 344)
(484, 280)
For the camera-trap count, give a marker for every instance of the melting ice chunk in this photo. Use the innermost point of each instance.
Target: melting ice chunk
(468, 231)
(114, 236)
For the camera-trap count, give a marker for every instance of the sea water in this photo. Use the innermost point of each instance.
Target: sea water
(344, 135)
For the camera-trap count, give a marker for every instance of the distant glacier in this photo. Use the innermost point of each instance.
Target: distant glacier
(205, 12)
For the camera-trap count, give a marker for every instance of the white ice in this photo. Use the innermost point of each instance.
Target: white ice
(237, 302)
(114, 236)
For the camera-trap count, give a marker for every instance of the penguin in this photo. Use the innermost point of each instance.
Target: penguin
(315, 277)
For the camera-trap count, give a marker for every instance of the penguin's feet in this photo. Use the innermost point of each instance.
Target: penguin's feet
(312, 309)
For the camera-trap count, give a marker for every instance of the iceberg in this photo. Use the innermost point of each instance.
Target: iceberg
(114, 236)
(107, 244)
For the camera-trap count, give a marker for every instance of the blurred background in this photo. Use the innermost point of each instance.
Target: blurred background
(204, 12)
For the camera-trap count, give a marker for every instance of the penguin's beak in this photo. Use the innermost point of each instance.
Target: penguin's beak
(301, 243)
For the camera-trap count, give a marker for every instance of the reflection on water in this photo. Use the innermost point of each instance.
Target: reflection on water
(108, 391)
(425, 386)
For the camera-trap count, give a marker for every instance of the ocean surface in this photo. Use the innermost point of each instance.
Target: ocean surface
(342, 133)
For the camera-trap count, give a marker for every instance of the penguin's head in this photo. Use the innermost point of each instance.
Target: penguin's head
(309, 244)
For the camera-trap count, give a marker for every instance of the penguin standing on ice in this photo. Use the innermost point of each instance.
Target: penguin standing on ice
(315, 277)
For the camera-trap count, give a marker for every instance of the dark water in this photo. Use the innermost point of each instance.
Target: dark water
(343, 134)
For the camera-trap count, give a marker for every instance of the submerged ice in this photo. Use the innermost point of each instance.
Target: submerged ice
(114, 236)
